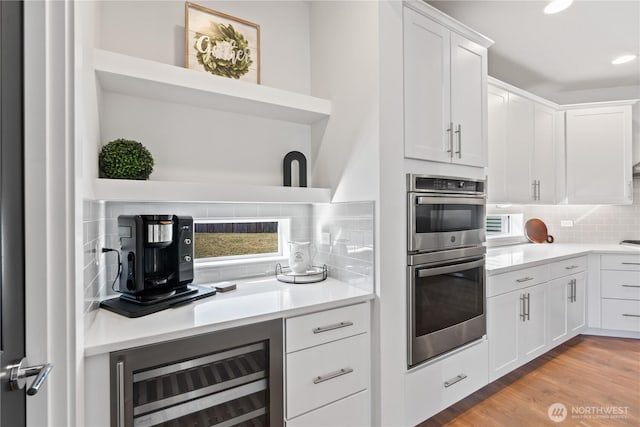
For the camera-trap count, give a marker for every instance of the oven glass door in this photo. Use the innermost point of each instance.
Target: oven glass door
(437, 223)
(447, 303)
(441, 215)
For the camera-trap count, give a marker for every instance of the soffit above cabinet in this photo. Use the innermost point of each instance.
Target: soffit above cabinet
(163, 82)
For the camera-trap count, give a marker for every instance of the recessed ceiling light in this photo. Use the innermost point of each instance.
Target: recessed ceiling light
(557, 6)
(623, 59)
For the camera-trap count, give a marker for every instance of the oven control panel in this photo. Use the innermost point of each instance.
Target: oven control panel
(445, 184)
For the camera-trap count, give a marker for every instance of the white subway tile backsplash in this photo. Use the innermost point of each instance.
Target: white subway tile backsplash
(592, 223)
(349, 257)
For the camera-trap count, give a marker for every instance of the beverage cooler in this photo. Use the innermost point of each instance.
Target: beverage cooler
(227, 378)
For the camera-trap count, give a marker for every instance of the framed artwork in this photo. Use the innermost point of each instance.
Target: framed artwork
(221, 44)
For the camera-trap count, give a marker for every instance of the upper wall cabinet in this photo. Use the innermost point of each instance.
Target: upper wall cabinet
(599, 155)
(524, 148)
(445, 90)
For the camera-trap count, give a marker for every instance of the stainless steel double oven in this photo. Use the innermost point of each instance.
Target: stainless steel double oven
(445, 264)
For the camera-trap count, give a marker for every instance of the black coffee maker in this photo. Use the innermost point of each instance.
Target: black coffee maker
(156, 265)
(157, 256)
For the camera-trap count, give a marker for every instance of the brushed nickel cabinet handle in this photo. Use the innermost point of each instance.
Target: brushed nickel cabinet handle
(528, 306)
(454, 380)
(459, 132)
(523, 311)
(322, 329)
(524, 279)
(534, 189)
(631, 315)
(631, 263)
(571, 267)
(450, 130)
(630, 286)
(332, 375)
(120, 393)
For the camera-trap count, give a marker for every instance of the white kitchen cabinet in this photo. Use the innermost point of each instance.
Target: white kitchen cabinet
(436, 385)
(445, 79)
(522, 147)
(557, 296)
(504, 314)
(599, 155)
(533, 327)
(349, 412)
(498, 100)
(516, 328)
(577, 305)
(543, 161)
(326, 365)
(620, 292)
(566, 299)
(516, 320)
(519, 148)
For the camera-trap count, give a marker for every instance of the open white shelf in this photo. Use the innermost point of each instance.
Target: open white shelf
(153, 80)
(124, 190)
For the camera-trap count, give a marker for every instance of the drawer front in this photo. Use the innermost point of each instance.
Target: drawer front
(325, 326)
(352, 411)
(507, 282)
(464, 373)
(568, 266)
(622, 315)
(620, 284)
(326, 373)
(620, 262)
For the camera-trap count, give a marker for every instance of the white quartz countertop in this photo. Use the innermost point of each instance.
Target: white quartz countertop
(509, 258)
(253, 301)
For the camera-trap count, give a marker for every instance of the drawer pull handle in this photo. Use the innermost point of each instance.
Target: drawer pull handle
(332, 327)
(336, 374)
(524, 279)
(120, 411)
(454, 380)
(631, 263)
(630, 286)
(631, 315)
(571, 267)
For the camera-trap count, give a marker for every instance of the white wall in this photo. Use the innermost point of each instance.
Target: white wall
(188, 143)
(344, 40)
(391, 307)
(155, 30)
(197, 144)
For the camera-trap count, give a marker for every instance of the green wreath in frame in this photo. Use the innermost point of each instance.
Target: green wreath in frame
(224, 51)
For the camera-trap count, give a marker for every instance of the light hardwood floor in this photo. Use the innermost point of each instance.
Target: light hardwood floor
(587, 373)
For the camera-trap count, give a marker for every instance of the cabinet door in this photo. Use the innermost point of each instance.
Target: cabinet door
(427, 112)
(469, 101)
(599, 155)
(519, 143)
(544, 154)
(503, 320)
(576, 310)
(533, 331)
(497, 147)
(557, 294)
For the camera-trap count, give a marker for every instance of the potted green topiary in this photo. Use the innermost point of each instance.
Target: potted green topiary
(125, 159)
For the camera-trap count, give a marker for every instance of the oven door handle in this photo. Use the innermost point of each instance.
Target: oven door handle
(448, 200)
(434, 271)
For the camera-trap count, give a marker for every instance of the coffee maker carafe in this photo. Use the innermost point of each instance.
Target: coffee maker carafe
(157, 256)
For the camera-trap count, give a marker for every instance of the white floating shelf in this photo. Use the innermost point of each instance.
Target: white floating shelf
(148, 79)
(124, 190)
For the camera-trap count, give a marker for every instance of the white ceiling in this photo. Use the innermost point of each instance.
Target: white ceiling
(564, 57)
